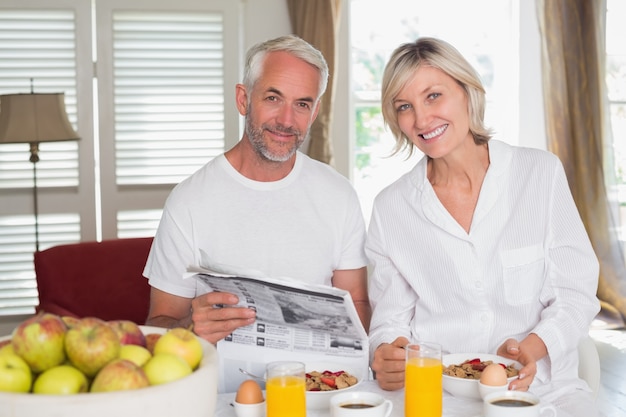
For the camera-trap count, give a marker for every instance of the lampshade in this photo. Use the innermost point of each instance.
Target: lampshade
(34, 118)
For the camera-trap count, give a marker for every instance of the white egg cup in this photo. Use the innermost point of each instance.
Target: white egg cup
(249, 410)
(485, 390)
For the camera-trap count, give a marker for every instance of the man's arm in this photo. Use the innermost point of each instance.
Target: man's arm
(355, 282)
(168, 310)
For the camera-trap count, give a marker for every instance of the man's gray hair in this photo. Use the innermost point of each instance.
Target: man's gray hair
(291, 44)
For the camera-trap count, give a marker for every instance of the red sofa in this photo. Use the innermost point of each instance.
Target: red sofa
(101, 279)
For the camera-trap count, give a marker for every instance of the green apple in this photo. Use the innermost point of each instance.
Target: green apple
(129, 332)
(62, 379)
(118, 375)
(90, 344)
(166, 367)
(39, 340)
(138, 355)
(6, 347)
(181, 342)
(15, 374)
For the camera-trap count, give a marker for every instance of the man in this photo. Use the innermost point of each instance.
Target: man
(262, 205)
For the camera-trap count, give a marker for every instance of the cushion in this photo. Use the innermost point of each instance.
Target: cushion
(100, 279)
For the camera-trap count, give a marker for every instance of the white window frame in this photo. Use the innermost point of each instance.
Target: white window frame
(115, 198)
(97, 201)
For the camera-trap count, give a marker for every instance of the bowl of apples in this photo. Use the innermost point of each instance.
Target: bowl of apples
(76, 367)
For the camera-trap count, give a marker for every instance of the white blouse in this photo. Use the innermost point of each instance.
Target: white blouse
(526, 266)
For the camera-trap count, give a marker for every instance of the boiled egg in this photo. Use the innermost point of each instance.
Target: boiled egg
(493, 375)
(249, 392)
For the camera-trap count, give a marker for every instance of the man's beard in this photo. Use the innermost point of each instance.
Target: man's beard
(255, 135)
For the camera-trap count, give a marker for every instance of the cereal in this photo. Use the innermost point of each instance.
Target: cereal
(329, 381)
(473, 369)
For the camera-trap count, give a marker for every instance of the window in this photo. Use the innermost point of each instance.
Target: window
(487, 40)
(616, 86)
(144, 88)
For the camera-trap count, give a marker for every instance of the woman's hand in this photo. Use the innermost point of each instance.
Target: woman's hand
(526, 353)
(389, 363)
(214, 319)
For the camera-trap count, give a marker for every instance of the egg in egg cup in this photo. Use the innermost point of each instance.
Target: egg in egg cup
(249, 401)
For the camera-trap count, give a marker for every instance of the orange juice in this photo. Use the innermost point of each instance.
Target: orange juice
(285, 396)
(423, 387)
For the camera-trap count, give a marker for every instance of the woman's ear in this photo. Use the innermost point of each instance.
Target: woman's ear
(241, 99)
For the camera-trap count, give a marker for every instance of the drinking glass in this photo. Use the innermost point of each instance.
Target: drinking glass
(423, 390)
(285, 389)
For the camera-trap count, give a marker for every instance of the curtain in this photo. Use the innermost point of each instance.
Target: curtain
(573, 56)
(317, 22)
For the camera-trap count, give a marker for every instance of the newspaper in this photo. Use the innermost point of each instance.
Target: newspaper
(313, 324)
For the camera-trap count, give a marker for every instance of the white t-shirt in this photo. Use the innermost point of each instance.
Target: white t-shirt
(302, 227)
(525, 266)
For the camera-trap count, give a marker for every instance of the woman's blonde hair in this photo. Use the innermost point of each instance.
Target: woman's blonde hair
(436, 53)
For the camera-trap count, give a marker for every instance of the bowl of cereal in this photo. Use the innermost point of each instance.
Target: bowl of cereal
(462, 372)
(325, 379)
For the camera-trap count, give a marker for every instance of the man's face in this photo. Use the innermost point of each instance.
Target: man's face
(282, 106)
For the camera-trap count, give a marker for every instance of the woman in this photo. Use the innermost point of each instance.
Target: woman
(480, 247)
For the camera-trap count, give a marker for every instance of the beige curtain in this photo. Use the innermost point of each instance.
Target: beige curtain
(317, 22)
(573, 55)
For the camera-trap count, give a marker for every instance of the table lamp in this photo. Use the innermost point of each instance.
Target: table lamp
(34, 118)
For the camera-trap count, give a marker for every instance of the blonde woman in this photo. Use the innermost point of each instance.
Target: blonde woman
(480, 247)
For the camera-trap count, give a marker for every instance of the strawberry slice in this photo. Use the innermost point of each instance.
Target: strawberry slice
(477, 365)
(328, 381)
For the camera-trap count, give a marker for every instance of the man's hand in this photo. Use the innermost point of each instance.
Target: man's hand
(214, 319)
(389, 363)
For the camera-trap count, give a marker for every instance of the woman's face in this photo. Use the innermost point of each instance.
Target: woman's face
(433, 113)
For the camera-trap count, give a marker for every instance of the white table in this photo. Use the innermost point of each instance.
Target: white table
(452, 406)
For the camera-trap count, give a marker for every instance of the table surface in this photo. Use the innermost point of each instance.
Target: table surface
(452, 406)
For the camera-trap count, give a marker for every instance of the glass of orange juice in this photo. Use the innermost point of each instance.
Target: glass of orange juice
(285, 389)
(423, 391)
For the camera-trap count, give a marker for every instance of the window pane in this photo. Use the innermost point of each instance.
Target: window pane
(616, 87)
(169, 94)
(37, 55)
(18, 288)
(138, 223)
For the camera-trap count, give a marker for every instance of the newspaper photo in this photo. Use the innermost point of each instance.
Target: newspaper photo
(294, 321)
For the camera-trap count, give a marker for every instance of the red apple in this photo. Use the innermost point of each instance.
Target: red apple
(91, 344)
(128, 332)
(181, 342)
(70, 321)
(120, 374)
(151, 339)
(39, 341)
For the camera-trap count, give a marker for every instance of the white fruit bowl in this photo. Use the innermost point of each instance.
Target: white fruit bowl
(192, 396)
